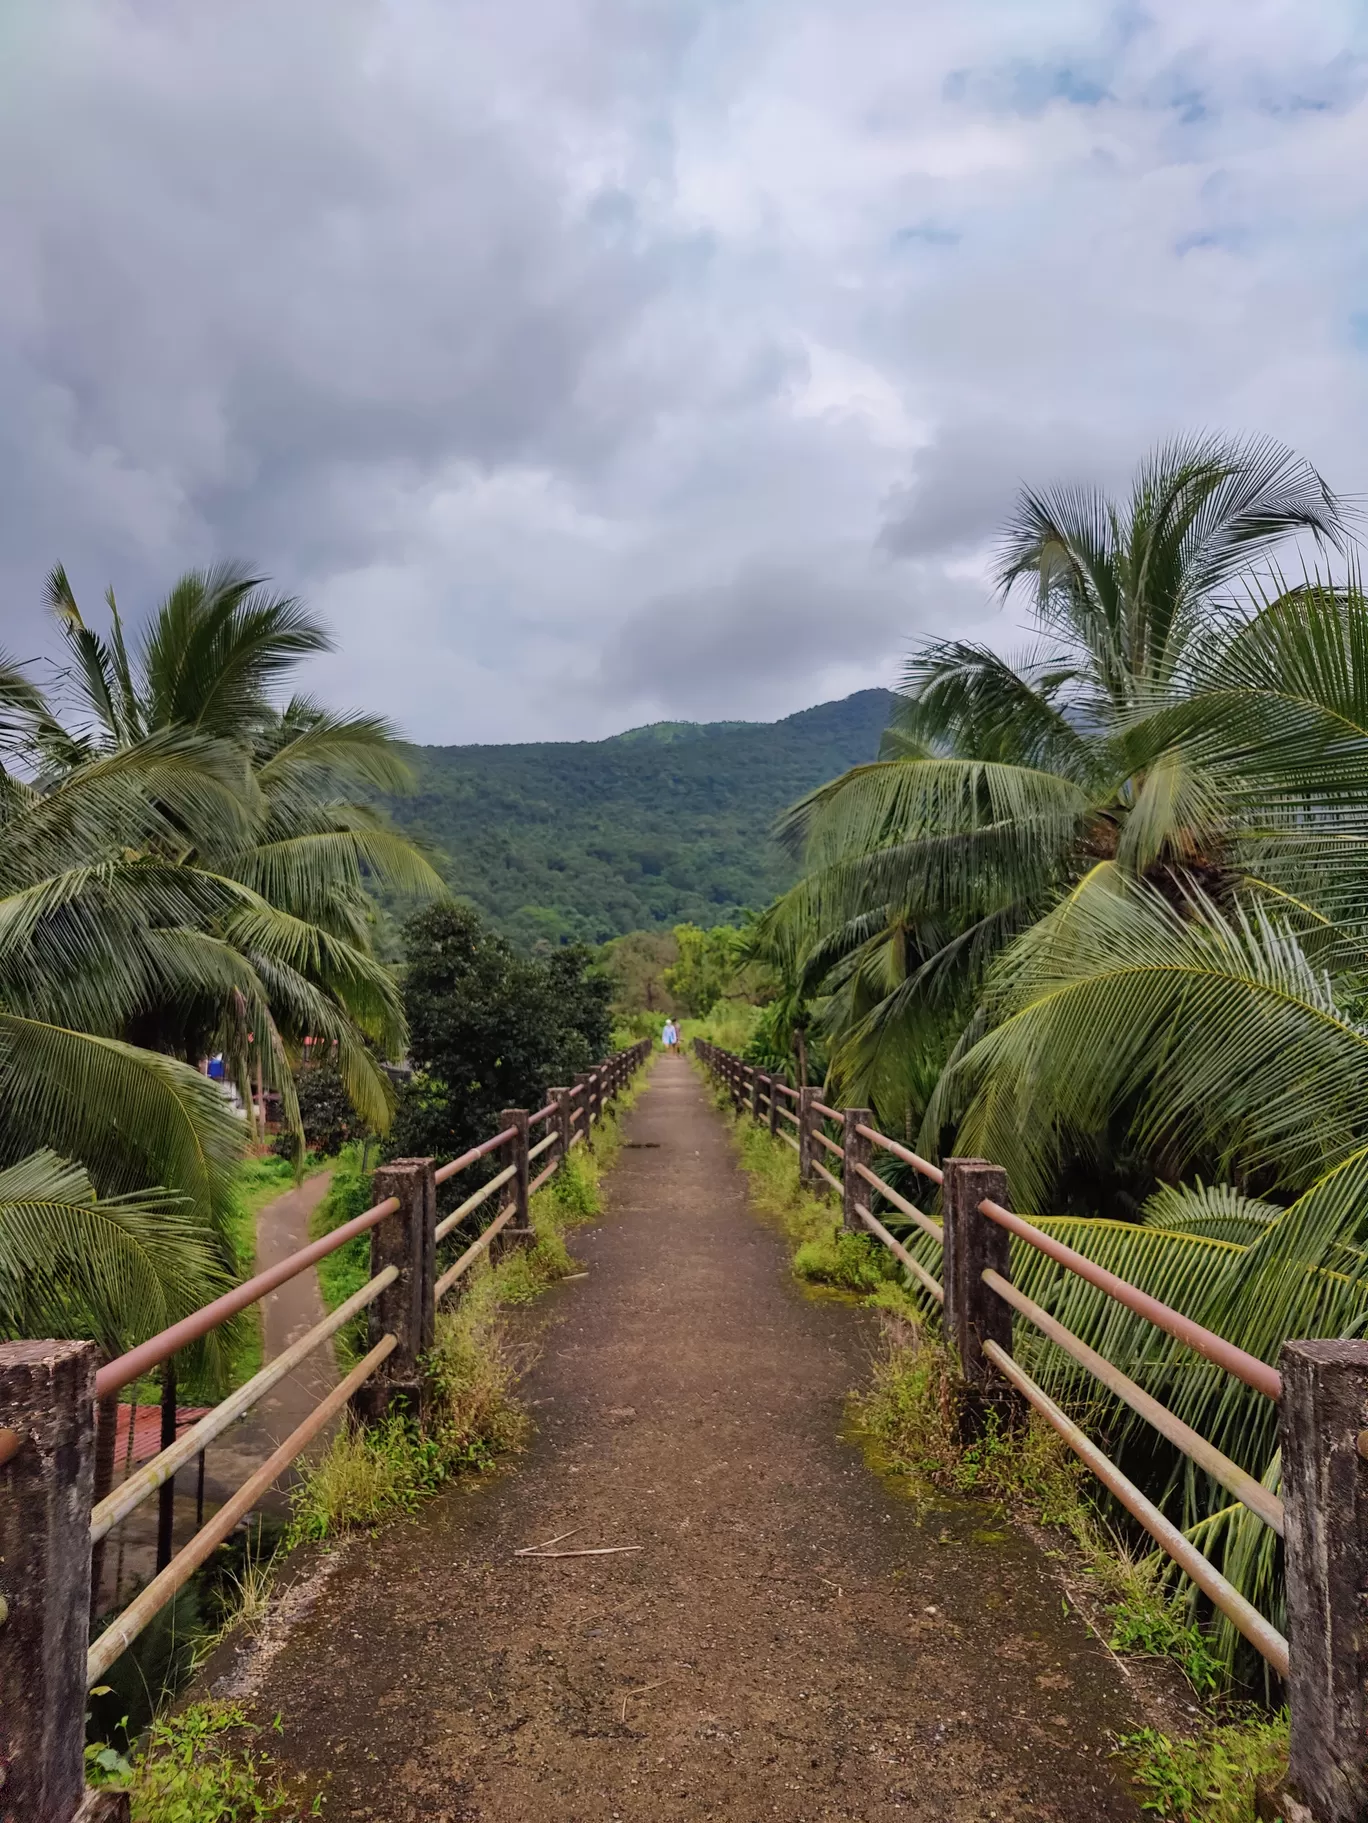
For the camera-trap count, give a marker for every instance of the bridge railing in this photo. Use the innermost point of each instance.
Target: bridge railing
(49, 1393)
(1321, 1392)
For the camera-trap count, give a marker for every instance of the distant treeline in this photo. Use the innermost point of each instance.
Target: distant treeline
(586, 840)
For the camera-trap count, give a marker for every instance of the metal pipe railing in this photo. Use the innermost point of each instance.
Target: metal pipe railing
(1255, 1373)
(443, 1172)
(900, 1202)
(485, 1191)
(899, 1252)
(122, 1631)
(917, 1162)
(1260, 1633)
(1244, 1486)
(145, 1481)
(147, 1355)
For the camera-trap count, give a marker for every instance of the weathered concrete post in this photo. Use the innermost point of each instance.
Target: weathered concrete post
(974, 1314)
(855, 1150)
(405, 1309)
(806, 1097)
(519, 1230)
(1323, 1417)
(561, 1120)
(757, 1079)
(586, 1104)
(47, 1403)
(773, 1083)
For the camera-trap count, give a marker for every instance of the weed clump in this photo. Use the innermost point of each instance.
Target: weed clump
(195, 1767)
(851, 1261)
(1211, 1778)
(908, 1415)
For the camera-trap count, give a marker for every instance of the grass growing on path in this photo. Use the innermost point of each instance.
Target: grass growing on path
(906, 1419)
(368, 1475)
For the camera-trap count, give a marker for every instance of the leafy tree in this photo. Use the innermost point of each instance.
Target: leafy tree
(326, 1115)
(489, 1029)
(180, 870)
(636, 966)
(706, 969)
(1001, 784)
(282, 949)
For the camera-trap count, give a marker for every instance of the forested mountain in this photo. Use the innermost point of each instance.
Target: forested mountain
(588, 839)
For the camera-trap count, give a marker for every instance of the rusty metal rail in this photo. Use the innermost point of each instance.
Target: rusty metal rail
(1255, 1373)
(1260, 1633)
(472, 1202)
(917, 1162)
(899, 1252)
(900, 1202)
(145, 1481)
(482, 1242)
(483, 1150)
(159, 1348)
(1244, 1486)
(122, 1631)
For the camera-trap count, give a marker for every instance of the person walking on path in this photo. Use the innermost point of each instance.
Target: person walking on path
(670, 1036)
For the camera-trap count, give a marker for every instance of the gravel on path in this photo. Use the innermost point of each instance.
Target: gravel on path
(792, 1640)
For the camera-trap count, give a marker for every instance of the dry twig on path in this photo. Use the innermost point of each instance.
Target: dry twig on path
(658, 1685)
(603, 1550)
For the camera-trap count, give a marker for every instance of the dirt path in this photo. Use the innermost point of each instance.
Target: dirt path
(789, 1642)
(282, 1229)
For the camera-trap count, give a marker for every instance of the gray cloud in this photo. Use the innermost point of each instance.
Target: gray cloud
(587, 360)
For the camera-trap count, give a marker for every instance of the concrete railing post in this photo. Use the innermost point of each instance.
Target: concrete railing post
(806, 1118)
(586, 1107)
(757, 1079)
(1323, 1417)
(47, 1403)
(519, 1230)
(773, 1082)
(855, 1150)
(560, 1120)
(974, 1314)
(405, 1309)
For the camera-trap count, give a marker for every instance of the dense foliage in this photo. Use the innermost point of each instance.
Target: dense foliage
(586, 840)
(489, 1029)
(1099, 913)
(183, 870)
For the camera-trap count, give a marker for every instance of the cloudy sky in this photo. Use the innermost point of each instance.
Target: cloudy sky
(588, 362)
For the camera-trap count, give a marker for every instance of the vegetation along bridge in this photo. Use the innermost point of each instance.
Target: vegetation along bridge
(693, 1599)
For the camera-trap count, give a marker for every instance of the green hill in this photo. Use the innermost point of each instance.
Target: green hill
(588, 839)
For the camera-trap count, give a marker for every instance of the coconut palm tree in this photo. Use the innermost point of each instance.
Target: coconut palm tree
(1001, 782)
(1099, 915)
(285, 950)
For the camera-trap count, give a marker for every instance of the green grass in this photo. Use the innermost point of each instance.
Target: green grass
(346, 1271)
(906, 1417)
(198, 1766)
(1211, 1777)
(370, 1475)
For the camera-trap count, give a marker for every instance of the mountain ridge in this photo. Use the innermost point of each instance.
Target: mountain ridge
(658, 825)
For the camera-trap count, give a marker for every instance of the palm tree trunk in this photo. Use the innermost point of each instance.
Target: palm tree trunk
(106, 1425)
